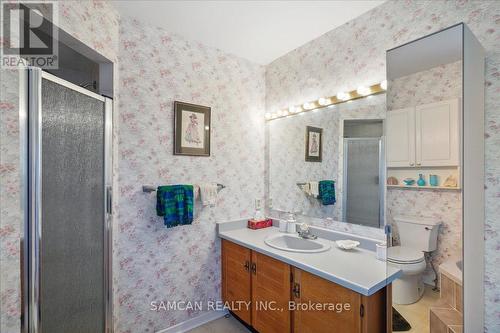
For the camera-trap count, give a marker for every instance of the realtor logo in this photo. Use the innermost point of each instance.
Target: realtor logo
(29, 35)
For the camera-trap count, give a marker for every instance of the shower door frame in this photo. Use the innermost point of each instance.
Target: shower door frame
(381, 176)
(31, 149)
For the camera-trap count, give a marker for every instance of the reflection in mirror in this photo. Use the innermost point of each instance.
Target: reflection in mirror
(362, 171)
(297, 182)
(423, 129)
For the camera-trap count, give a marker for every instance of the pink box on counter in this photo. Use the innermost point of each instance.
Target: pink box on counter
(253, 224)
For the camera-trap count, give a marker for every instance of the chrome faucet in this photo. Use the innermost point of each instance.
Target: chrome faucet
(305, 232)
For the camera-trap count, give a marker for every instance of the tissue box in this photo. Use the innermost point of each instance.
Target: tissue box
(254, 224)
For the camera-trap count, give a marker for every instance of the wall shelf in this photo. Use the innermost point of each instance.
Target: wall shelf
(427, 187)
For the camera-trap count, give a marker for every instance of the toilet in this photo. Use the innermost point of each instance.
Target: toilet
(417, 235)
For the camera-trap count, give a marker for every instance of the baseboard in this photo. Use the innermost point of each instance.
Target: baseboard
(194, 322)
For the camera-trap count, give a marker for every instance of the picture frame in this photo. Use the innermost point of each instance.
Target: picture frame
(314, 144)
(192, 129)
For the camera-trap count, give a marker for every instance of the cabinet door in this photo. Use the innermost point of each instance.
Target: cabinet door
(270, 294)
(236, 279)
(311, 288)
(400, 136)
(437, 134)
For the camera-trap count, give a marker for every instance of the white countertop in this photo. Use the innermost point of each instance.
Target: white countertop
(358, 269)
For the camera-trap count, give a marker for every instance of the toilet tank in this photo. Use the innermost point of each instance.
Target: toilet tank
(417, 232)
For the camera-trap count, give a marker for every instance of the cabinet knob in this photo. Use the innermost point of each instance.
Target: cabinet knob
(296, 290)
(419, 164)
(247, 266)
(254, 268)
(412, 164)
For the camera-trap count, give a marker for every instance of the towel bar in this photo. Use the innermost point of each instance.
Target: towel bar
(151, 188)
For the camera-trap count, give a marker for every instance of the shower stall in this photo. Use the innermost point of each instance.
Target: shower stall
(67, 176)
(363, 173)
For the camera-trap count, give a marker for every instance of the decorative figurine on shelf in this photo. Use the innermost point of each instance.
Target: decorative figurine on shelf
(409, 181)
(451, 181)
(433, 180)
(392, 181)
(421, 180)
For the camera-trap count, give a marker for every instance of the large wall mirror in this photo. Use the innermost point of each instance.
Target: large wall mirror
(424, 190)
(434, 152)
(348, 138)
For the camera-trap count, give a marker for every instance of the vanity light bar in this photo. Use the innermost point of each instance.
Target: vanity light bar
(322, 102)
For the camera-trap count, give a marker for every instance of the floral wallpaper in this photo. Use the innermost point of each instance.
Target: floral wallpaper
(153, 263)
(11, 215)
(354, 55)
(437, 84)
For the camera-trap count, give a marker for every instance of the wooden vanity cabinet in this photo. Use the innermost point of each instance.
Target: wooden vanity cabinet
(258, 280)
(271, 280)
(364, 314)
(268, 285)
(236, 279)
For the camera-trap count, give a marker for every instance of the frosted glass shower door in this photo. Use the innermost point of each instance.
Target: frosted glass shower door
(362, 191)
(70, 246)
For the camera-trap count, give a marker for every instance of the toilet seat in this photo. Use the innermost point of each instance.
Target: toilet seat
(404, 255)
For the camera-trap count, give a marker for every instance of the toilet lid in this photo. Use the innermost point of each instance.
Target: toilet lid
(404, 255)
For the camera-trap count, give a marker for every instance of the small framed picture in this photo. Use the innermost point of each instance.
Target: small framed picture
(191, 129)
(314, 144)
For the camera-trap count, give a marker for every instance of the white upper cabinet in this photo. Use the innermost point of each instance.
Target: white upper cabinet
(425, 136)
(400, 129)
(436, 132)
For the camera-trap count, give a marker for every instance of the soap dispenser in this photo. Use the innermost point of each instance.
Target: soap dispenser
(291, 223)
(258, 215)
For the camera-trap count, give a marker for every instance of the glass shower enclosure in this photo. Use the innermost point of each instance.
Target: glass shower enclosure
(363, 173)
(67, 247)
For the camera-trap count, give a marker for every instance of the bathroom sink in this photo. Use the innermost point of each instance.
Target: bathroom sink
(293, 243)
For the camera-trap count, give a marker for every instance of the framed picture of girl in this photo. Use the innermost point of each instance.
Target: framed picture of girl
(191, 129)
(314, 144)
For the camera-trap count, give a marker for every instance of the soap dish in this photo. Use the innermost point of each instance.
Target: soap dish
(347, 244)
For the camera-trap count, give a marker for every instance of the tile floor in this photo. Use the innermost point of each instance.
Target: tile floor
(416, 314)
(221, 325)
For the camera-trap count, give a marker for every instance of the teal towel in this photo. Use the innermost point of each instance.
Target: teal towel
(327, 192)
(175, 204)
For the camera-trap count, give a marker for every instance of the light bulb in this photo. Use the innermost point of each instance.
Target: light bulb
(383, 84)
(279, 113)
(324, 101)
(343, 96)
(308, 106)
(363, 90)
(268, 115)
